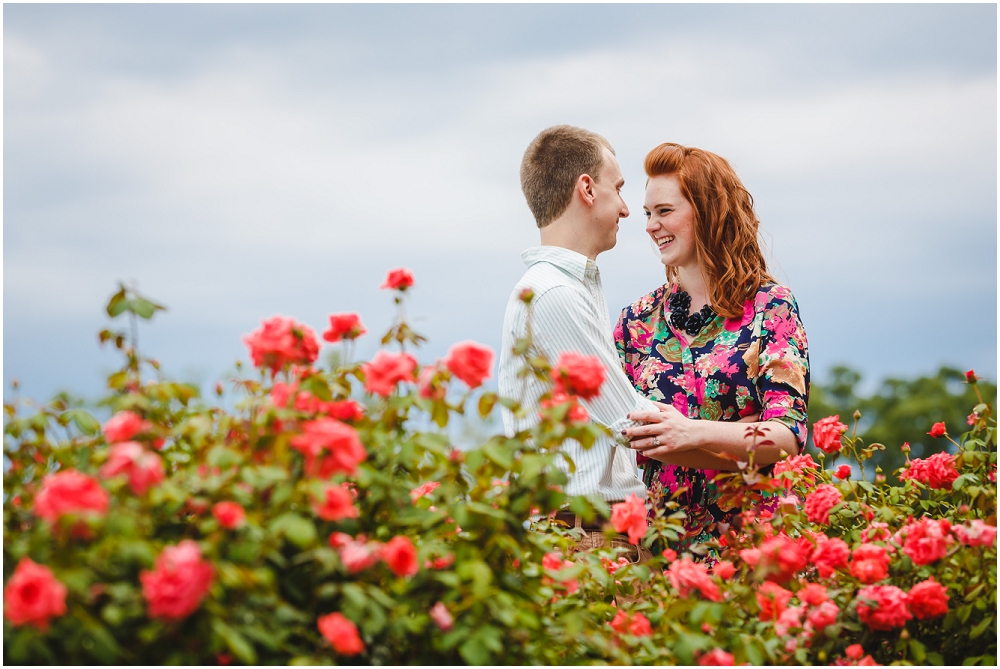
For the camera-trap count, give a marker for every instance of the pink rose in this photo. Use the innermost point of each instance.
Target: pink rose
(336, 504)
(401, 556)
(347, 411)
(33, 595)
(977, 533)
(423, 490)
(579, 375)
(397, 279)
(812, 594)
(938, 471)
(344, 326)
(356, 554)
(179, 582)
(470, 362)
(630, 517)
(724, 570)
(927, 540)
(781, 557)
(928, 599)
(229, 515)
(143, 468)
(341, 633)
(887, 609)
(635, 624)
(824, 615)
(339, 442)
(820, 502)
(827, 433)
(281, 341)
(442, 617)
(386, 370)
(716, 658)
(429, 384)
(803, 466)
(686, 575)
(123, 426)
(69, 491)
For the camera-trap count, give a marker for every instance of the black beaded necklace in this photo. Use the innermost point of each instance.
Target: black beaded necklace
(680, 303)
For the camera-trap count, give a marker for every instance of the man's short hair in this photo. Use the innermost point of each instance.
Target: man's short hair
(551, 165)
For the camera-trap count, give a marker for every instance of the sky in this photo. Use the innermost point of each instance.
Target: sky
(239, 161)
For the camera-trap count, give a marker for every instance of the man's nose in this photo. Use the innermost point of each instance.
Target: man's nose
(624, 212)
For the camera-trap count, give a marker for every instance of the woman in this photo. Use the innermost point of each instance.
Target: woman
(720, 343)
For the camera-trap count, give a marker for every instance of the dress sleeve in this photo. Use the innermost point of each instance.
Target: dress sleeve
(783, 372)
(622, 343)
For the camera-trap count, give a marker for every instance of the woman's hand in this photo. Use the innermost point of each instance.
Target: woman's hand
(665, 431)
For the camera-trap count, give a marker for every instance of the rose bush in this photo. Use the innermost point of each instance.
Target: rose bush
(327, 518)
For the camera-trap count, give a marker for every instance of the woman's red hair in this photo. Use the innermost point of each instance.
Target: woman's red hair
(725, 229)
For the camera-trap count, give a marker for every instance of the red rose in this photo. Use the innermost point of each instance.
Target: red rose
(423, 489)
(843, 472)
(401, 556)
(429, 383)
(820, 501)
(938, 430)
(869, 563)
(397, 279)
(883, 607)
(347, 411)
(928, 599)
(686, 575)
(386, 370)
(970, 376)
(336, 504)
(229, 515)
(773, 599)
(281, 341)
(143, 468)
(123, 426)
(724, 570)
(781, 557)
(630, 517)
(33, 595)
(181, 579)
(823, 615)
(927, 540)
(803, 466)
(812, 594)
(827, 433)
(442, 617)
(938, 471)
(977, 533)
(577, 414)
(854, 651)
(70, 491)
(470, 362)
(344, 326)
(580, 375)
(716, 658)
(635, 624)
(341, 633)
(788, 619)
(281, 393)
(442, 562)
(340, 442)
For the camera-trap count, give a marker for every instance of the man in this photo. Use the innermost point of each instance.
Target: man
(572, 182)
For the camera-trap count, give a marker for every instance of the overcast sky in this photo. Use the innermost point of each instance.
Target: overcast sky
(239, 161)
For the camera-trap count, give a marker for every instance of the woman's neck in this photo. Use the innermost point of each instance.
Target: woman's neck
(692, 281)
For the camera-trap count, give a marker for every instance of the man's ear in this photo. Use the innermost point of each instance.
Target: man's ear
(585, 189)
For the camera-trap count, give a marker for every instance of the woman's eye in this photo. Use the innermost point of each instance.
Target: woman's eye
(664, 212)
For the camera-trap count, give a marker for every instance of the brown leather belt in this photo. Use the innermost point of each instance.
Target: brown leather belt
(574, 520)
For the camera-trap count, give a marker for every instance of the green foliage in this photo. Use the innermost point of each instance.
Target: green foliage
(481, 534)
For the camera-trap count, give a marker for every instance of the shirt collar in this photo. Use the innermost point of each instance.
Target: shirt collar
(574, 263)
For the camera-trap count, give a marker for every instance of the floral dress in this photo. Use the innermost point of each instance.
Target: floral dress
(730, 369)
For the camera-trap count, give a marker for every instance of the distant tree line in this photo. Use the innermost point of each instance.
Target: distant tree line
(900, 410)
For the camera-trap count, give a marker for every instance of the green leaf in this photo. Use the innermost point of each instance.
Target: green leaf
(83, 421)
(918, 650)
(295, 528)
(241, 648)
(475, 652)
(486, 404)
(978, 630)
(117, 304)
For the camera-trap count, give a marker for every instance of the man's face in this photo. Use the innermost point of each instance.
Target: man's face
(608, 203)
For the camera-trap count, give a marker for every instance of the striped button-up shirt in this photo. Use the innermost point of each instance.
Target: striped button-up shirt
(570, 313)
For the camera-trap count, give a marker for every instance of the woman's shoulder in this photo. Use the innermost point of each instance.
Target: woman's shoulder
(773, 293)
(645, 305)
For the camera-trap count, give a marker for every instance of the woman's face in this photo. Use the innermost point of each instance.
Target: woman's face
(670, 222)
